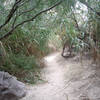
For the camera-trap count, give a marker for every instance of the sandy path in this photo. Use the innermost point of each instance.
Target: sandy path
(67, 79)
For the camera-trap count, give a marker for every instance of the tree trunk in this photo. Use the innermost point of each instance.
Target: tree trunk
(3, 54)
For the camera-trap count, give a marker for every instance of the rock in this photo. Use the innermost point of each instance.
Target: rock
(10, 87)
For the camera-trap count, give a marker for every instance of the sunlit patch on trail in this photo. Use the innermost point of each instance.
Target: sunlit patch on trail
(50, 58)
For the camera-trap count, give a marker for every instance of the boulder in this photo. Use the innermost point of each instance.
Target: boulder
(10, 87)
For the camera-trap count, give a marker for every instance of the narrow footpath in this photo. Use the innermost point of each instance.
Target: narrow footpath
(66, 79)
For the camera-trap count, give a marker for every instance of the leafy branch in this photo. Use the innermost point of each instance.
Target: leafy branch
(14, 8)
(11, 13)
(87, 5)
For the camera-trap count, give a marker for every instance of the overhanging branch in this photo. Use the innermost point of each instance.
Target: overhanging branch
(29, 20)
(86, 4)
(11, 13)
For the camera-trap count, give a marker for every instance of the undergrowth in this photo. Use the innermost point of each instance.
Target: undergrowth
(25, 68)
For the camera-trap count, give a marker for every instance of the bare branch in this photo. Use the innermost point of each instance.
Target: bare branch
(75, 21)
(17, 15)
(29, 20)
(24, 12)
(24, 2)
(13, 24)
(11, 13)
(86, 4)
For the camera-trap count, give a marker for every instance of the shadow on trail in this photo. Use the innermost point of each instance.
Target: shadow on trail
(67, 79)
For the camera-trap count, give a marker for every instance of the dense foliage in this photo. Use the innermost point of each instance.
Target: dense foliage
(30, 29)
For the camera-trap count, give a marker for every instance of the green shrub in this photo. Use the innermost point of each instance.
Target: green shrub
(25, 68)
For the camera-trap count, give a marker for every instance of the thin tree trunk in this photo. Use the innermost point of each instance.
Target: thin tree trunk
(3, 54)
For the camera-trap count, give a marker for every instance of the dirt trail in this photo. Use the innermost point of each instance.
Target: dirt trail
(67, 79)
